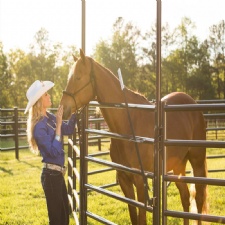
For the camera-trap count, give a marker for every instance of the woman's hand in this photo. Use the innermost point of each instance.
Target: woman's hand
(59, 115)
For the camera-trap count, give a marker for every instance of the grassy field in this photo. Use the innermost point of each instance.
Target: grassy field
(22, 200)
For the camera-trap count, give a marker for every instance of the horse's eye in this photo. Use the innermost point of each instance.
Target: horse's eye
(77, 78)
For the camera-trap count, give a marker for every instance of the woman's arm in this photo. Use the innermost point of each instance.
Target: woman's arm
(59, 114)
(68, 128)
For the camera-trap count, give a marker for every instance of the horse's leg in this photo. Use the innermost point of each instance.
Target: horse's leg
(197, 158)
(141, 198)
(127, 187)
(183, 189)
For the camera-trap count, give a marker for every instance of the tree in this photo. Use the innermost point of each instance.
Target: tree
(62, 68)
(199, 84)
(45, 61)
(121, 51)
(186, 68)
(217, 47)
(5, 80)
(20, 69)
(147, 75)
(186, 43)
(50, 62)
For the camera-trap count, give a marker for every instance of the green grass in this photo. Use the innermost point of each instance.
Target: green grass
(22, 200)
(117, 211)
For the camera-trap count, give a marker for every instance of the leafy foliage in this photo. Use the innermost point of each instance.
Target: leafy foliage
(187, 64)
(44, 61)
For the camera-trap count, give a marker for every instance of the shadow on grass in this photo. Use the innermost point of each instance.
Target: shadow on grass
(6, 171)
(30, 164)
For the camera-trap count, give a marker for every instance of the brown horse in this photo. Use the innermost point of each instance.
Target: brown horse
(89, 80)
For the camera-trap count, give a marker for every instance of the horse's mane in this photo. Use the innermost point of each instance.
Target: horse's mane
(136, 94)
(70, 74)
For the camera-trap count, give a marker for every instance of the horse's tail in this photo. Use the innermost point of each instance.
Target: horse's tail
(205, 207)
(193, 207)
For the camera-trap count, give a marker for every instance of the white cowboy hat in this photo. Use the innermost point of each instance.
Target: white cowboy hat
(35, 91)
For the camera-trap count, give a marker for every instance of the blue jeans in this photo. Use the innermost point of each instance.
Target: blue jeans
(54, 187)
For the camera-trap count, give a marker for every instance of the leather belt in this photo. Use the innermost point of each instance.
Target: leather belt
(54, 167)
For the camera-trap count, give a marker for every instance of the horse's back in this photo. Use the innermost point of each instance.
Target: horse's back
(178, 98)
(192, 123)
(182, 125)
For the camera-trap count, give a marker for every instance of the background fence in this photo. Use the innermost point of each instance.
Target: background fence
(13, 126)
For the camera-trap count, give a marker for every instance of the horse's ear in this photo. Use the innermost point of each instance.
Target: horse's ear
(82, 55)
(75, 58)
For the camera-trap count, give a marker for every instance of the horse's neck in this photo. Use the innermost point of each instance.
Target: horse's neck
(109, 91)
(107, 86)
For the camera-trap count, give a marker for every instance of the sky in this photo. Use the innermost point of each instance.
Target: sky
(20, 20)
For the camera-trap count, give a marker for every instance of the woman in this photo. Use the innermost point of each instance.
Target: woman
(44, 132)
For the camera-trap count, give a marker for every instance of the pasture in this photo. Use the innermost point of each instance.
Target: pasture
(23, 202)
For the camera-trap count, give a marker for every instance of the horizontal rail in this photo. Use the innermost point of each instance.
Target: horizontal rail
(70, 181)
(214, 115)
(105, 186)
(77, 174)
(12, 122)
(75, 148)
(13, 148)
(215, 156)
(122, 105)
(215, 128)
(99, 153)
(96, 120)
(109, 185)
(119, 197)
(195, 216)
(75, 171)
(119, 166)
(76, 218)
(122, 137)
(195, 143)
(193, 107)
(70, 200)
(100, 171)
(197, 180)
(99, 218)
(76, 195)
(211, 101)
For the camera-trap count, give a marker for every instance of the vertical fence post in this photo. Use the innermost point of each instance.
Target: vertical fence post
(98, 127)
(74, 157)
(216, 125)
(84, 144)
(1, 120)
(16, 133)
(158, 123)
(83, 168)
(163, 148)
(70, 174)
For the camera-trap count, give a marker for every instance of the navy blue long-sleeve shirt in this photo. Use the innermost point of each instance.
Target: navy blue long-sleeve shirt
(44, 135)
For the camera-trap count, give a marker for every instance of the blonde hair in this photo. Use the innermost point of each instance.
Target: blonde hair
(35, 114)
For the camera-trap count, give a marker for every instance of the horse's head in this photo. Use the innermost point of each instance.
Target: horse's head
(80, 86)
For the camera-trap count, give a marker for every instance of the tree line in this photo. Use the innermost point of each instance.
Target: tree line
(188, 64)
